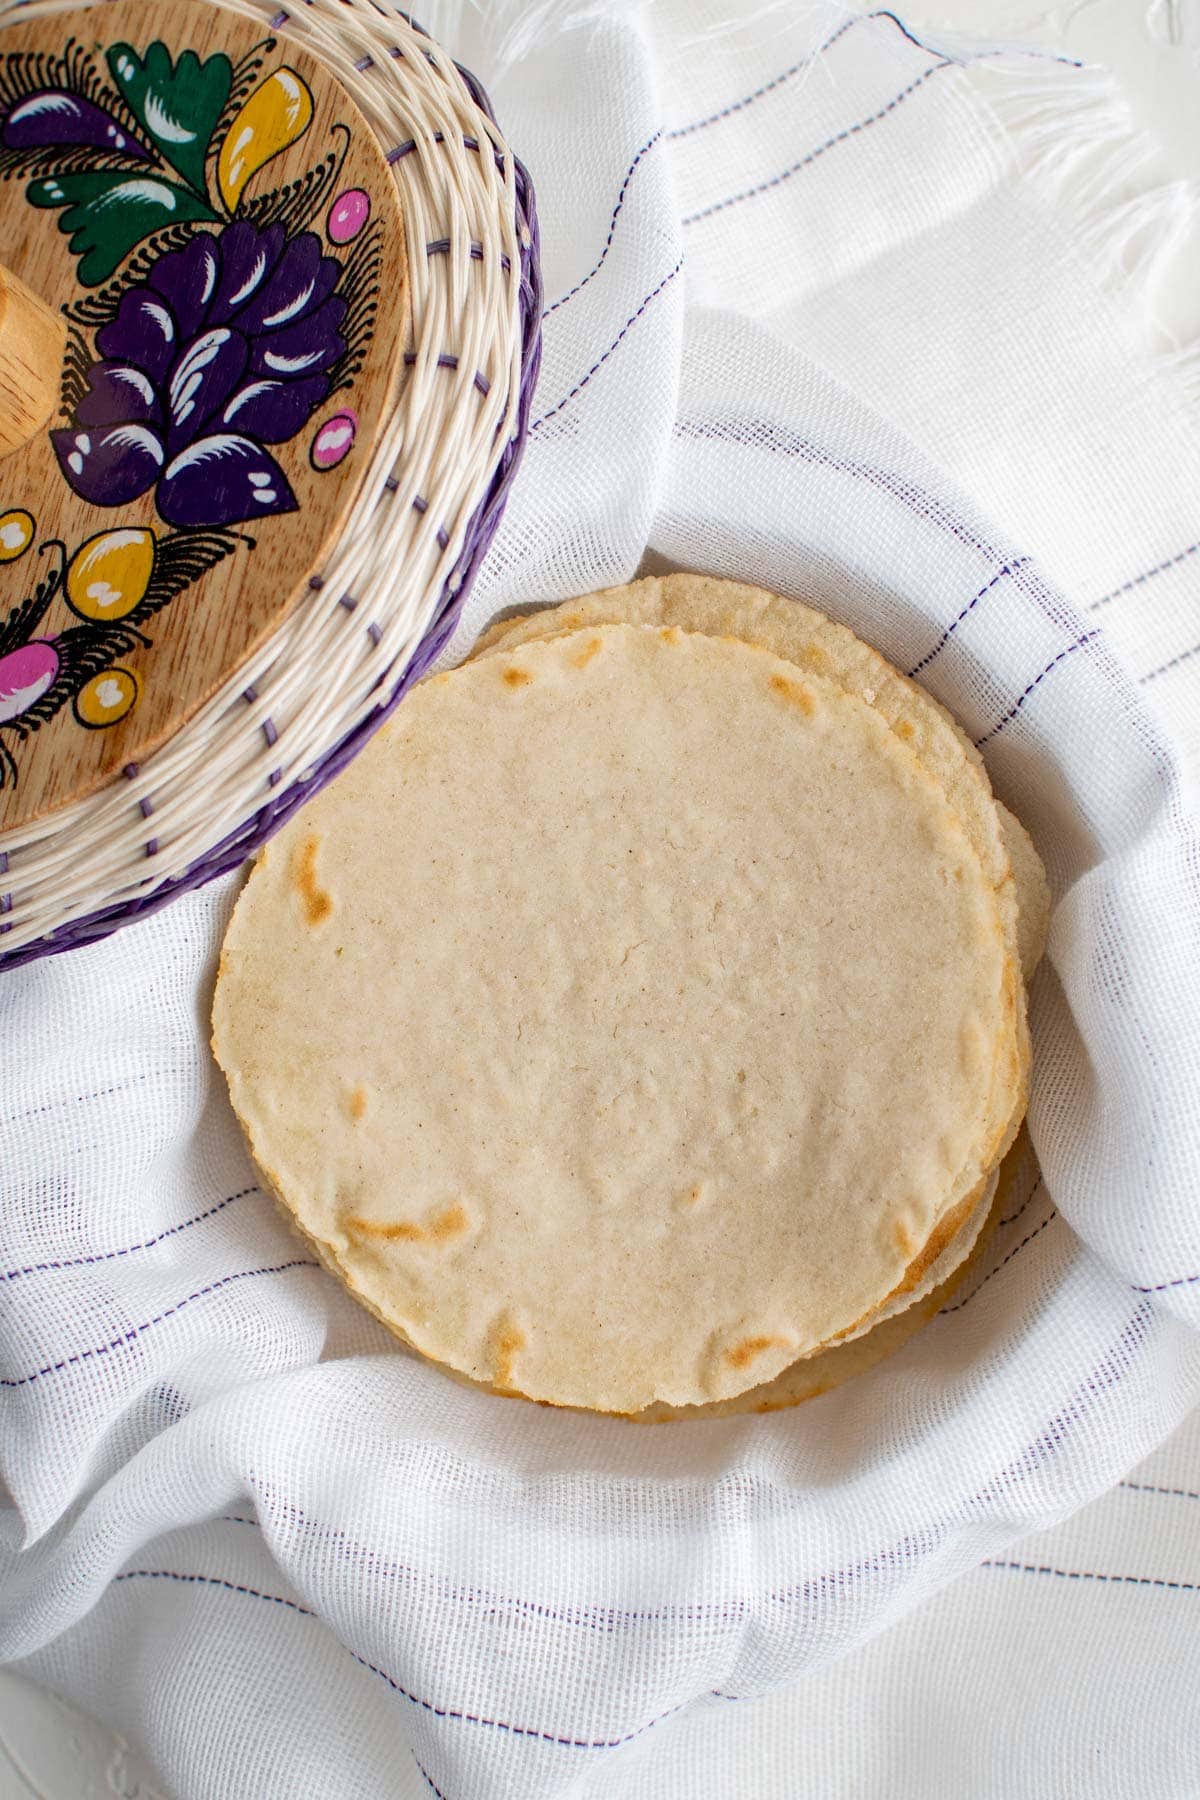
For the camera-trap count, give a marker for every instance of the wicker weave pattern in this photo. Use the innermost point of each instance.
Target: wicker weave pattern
(381, 609)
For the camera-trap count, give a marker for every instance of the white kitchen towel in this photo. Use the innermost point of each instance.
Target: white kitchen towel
(1063, 1669)
(867, 319)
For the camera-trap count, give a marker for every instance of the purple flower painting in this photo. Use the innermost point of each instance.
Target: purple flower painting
(225, 347)
(220, 317)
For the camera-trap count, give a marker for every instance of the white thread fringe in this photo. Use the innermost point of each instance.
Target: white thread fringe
(1074, 140)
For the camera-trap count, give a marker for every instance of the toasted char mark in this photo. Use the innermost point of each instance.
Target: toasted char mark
(746, 1350)
(795, 693)
(670, 634)
(692, 1196)
(925, 1258)
(904, 728)
(583, 657)
(815, 657)
(937, 1241)
(506, 1342)
(317, 903)
(903, 1238)
(356, 1106)
(515, 677)
(451, 1222)
(405, 1229)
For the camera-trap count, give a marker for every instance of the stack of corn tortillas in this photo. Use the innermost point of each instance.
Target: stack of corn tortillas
(639, 1023)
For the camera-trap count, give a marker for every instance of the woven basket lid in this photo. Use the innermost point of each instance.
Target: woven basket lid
(262, 394)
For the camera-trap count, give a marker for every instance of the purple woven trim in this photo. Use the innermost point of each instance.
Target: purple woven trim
(481, 529)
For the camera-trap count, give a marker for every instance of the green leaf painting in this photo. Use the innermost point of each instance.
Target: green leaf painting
(108, 211)
(177, 105)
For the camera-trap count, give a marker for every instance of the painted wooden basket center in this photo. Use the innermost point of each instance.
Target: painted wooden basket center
(217, 224)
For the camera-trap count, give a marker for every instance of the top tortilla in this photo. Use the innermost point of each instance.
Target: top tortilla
(625, 1018)
(806, 637)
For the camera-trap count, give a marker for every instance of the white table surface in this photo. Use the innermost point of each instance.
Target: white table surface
(48, 1751)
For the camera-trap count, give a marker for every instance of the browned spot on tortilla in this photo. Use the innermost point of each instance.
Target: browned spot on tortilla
(815, 656)
(743, 1353)
(507, 1340)
(515, 677)
(583, 657)
(670, 634)
(794, 692)
(903, 728)
(937, 1241)
(356, 1106)
(692, 1196)
(451, 1222)
(317, 903)
(406, 1229)
(903, 1238)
